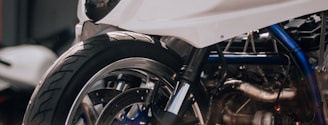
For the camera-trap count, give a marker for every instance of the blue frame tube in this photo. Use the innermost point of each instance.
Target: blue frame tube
(257, 59)
(305, 66)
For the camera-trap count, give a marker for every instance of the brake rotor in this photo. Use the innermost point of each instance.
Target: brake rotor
(130, 107)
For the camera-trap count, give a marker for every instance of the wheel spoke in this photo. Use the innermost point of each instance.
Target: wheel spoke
(89, 111)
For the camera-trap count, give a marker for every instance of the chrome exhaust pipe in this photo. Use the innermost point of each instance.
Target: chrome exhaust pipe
(260, 94)
(231, 118)
(259, 118)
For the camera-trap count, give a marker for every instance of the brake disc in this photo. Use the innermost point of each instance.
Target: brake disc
(130, 107)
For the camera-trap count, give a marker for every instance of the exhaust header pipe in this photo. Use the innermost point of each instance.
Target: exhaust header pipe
(260, 94)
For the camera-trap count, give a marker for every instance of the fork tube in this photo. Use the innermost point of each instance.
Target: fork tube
(305, 66)
(190, 73)
(184, 95)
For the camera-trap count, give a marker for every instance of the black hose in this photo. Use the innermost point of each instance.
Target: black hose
(224, 69)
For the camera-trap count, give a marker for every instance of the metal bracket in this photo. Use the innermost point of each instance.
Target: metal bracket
(322, 46)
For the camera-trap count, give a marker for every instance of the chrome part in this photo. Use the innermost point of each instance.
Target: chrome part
(261, 94)
(259, 118)
(263, 118)
(229, 44)
(198, 113)
(243, 106)
(133, 112)
(121, 85)
(250, 39)
(179, 98)
(90, 112)
(322, 40)
(231, 118)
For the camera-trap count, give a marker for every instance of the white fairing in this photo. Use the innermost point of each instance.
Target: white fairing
(203, 22)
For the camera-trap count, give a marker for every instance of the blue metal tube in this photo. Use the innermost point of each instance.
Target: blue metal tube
(305, 66)
(256, 59)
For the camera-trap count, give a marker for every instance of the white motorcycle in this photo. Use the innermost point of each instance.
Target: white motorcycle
(249, 62)
(21, 67)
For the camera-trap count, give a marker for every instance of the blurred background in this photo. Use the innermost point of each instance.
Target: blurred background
(33, 33)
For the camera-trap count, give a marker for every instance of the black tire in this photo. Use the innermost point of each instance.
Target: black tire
(53, 98)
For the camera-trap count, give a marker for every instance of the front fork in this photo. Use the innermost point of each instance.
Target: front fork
(181, 99)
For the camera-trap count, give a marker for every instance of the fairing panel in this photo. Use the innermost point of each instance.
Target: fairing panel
(204, 22)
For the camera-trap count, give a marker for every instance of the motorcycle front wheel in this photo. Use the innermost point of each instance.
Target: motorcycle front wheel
(92, 75)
